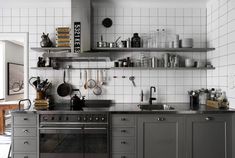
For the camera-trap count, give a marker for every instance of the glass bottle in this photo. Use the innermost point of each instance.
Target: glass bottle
(157, 38)
(135, 41)
(163, 38)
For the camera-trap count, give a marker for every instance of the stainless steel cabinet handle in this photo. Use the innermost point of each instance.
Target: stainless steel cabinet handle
(123, 156)
(123, 142)
(123, 131)
(123, 119)
(209, 118)
(26, 142)
(25, 118)
(161, 119)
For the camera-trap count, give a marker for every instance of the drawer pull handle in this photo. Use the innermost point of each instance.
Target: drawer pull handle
(161, 119)
(209, 118)
(123, 131)
(123, 119)
(123, 142)
(123, 156)
(26, 142)
(25, 118)
(26, 157)
(26, 131)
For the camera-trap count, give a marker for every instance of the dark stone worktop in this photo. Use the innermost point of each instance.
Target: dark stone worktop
(131, 108)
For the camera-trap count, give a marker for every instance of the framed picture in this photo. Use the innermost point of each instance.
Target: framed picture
(15, 78)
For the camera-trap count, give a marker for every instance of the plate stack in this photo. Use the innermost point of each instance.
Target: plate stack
(63, 37)
(41, 104)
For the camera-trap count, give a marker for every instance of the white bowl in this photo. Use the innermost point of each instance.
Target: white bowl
(187, 43)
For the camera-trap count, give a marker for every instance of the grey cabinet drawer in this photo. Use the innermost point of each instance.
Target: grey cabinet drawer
(123, 155)
(25, 145)
(123, 120)
(24, 155)
(25, 120)
(29, 132)
(123, 145)
(123, 132)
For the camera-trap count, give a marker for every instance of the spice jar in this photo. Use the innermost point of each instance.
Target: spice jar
(135, 40)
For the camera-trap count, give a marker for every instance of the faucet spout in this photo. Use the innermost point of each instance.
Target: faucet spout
(150, 97)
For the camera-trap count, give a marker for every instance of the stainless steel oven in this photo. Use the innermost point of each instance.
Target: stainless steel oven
(74, 135)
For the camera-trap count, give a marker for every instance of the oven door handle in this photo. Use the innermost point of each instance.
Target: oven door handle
(60, 128)
(95, 128)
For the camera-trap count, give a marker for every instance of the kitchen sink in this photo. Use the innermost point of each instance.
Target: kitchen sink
(155, 107)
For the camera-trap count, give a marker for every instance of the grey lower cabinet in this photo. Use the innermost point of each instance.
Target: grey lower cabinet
(24, 135)
(209, 136)
(123, 134)
(160, 136)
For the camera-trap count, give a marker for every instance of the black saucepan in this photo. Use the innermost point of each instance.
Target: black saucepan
(64, 89)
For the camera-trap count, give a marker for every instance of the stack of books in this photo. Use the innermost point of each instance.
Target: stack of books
(63, 37)
(41, 104)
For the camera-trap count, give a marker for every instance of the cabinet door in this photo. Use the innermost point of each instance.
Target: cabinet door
(207, 136)
(160, 137)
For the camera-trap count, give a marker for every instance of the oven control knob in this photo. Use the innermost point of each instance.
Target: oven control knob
(97, 118)
(52, 118)
(102, 118)
(60, 118)
(84, 118)
(79, 118)
(67, 118)
(45, 118)
(90, 119)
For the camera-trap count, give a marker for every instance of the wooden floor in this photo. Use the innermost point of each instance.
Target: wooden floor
(5, 141)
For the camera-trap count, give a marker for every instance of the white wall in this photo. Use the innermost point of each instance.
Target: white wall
(221, 33)
(14, 54)
(39, 17)
(1, 70)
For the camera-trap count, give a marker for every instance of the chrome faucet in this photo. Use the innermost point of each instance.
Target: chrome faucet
(150, 97)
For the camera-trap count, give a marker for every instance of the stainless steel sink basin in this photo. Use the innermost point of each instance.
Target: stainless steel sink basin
(155, 107)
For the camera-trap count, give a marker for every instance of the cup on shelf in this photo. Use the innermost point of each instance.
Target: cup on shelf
(189, 62)
(200, 64)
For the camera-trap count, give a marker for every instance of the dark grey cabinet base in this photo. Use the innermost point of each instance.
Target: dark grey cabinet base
(160, 136)
(208, 136)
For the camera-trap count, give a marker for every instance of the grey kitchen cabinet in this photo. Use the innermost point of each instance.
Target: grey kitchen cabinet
(209, 136)
(24, 137)
(123, 133)
(160, 136)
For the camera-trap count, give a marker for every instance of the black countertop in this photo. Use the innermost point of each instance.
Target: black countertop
(132, 108)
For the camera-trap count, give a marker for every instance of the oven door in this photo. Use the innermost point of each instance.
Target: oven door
(96, 141)
(74, 141)
(61, 142)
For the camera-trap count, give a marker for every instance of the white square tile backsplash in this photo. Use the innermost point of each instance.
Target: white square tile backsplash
(172, 85)
(220, 31)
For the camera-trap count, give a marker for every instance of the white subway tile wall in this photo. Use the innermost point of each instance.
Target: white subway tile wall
(35, 21)
(221, 32)
(172, 85)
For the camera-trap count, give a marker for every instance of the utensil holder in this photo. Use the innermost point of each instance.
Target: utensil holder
(40, 95)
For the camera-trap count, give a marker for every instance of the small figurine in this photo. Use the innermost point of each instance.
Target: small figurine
(46, 42)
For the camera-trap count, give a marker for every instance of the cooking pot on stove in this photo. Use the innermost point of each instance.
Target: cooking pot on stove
(77, 103)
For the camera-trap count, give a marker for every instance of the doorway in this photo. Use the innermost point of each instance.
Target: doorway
(13, 81)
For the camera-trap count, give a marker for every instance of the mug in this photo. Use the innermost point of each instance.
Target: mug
(189, 62)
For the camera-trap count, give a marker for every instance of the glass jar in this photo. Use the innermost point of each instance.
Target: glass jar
(135, 41)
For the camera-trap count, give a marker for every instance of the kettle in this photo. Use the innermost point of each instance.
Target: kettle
(76, 103)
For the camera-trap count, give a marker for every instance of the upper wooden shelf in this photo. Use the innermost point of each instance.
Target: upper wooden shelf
(152, 49)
